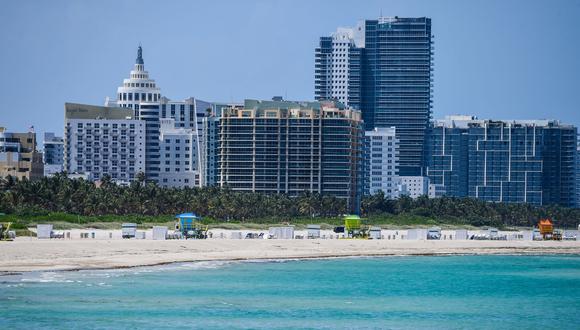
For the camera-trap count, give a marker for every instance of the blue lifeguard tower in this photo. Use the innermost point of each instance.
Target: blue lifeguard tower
(190, 226)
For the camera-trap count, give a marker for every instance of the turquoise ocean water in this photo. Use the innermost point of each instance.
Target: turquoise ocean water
(457, 292)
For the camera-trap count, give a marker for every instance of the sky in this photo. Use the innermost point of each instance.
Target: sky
(501, 59)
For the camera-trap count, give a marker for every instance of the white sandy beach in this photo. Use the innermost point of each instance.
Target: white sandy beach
(30, 254)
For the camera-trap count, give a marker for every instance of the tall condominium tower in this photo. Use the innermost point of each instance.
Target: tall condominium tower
(503, 161)
(578, 176)
(383, 68)
(292, 147)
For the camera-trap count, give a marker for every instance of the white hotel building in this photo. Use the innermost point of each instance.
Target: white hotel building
(179, 156)
(103, 141)
(167, 162)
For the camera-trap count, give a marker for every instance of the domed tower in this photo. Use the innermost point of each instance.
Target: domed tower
(139, 88)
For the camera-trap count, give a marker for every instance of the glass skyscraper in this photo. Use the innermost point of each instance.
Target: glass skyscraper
(384, 68)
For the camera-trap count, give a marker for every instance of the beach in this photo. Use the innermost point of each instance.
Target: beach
(31, 254)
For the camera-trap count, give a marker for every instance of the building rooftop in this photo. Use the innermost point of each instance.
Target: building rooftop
(292, 109)
(465, 121)
(85, 111)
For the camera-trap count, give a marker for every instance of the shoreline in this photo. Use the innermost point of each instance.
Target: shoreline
(288, 259)
(23, 256)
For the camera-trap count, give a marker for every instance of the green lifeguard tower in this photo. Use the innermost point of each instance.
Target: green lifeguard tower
(354, 228)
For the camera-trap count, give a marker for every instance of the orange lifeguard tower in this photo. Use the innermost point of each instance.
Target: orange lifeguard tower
(546, 228)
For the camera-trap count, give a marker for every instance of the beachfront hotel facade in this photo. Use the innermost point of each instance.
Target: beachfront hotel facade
(292, 147)
(19, 157)
(142, 94)
(513, 161)
(383, 68)
(101, 141)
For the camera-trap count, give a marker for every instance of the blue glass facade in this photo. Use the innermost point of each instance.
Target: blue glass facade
(389, 80)
(447, 160)
(512, 162)
(578, 176)
(396, 84)
(559, 173)
(505, 163)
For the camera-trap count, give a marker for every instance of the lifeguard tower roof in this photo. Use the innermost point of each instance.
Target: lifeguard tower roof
(188, 216)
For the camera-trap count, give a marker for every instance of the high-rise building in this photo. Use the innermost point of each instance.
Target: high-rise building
(292, 147)
(141, 93)
(209, 151)
(446, 160)
(149, 113)
(381, 162)
(578, 176)
(384, 68)
(103, 141)
(19, 157)
(209, 160)
(178, 155)
(504, 161)
(53, 154)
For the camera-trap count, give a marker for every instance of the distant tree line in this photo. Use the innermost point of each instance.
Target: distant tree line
(78, 196)
(82, 197)
(471, 211)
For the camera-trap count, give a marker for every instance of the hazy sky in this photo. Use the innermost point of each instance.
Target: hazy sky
(495, 59)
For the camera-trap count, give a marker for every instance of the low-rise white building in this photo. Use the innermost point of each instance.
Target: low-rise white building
(103, 141)
(414, 186)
